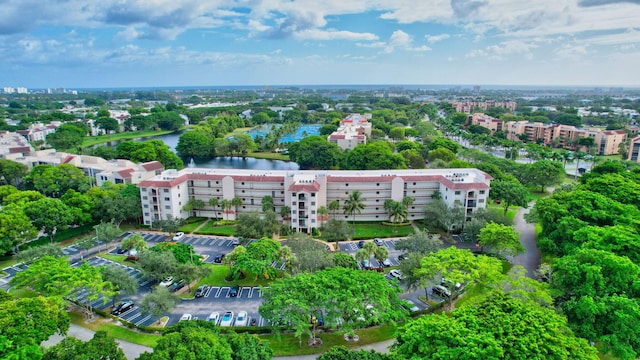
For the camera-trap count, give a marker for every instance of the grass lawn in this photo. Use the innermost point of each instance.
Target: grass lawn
(289, 345)
(94, 140)
(119, 259)
(210, 228)
(269, 155)
(188, 228)
(220, 272)
(376, 230)
(116, 331)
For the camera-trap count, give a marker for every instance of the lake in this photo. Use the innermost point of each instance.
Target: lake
(223, 162)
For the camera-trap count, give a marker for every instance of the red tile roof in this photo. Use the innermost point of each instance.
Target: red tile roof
(313, 187)
(357, 179)
(152, 165)
(19, 149)
(336, 136)
(67, 159)
(126, 173)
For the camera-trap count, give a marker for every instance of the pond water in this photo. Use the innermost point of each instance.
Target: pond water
(225, 162)
(301, 132)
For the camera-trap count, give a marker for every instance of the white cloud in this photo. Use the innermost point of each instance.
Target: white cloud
(403, 41)
(331, 34)
(432, 39)
(504, 50)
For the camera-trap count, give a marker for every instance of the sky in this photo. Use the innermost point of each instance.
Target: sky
(159, 43)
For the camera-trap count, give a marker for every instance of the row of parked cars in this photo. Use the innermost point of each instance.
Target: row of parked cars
(227, 319)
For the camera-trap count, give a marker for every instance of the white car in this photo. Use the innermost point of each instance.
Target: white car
(412, 306)
(227, 319)
(166, 282)
(241, 319)
(186, 317)
(396, 274)
(214, 317)
(178, 236)
(386, 262)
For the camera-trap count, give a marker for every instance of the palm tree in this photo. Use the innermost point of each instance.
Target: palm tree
(566, 157)
(578, 155)
(235, 202)
(226, 206)
(398, 212)
(381, 253)
(333, 207)
(407, 201)
(354, 204)
(285, 212)
(193, 204)
(214, 203)
(369, 248)
(267, 203)
(322, 212)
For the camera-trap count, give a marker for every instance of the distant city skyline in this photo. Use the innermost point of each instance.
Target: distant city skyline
(181, 43)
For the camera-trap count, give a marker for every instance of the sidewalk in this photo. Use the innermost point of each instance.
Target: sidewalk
(381, 347)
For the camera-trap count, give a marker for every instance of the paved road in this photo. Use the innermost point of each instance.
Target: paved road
(131, 350)
(530, 259)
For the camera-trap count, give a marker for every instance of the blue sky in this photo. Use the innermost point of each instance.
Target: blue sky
(132, 43)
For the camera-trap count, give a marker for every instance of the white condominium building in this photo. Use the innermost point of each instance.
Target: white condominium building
(304, 191)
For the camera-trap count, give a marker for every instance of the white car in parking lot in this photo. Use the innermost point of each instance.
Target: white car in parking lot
(396, 274)
(214, 317)
(227, 319)
(178, 236)
(167, 281)
(412, 306)
(241, 319)
(186, 317)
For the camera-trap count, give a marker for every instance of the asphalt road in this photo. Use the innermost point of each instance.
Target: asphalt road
(530, 259)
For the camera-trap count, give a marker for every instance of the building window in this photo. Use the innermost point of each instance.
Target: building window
(243, 191)
(313, 203)
(457, 192)
(143, 189)
(243, 207)
(378, 192)
(167, 207)
(293, 194)
(313, 220)
(208, 183)
(144, 198)
(313, 211)
(414, 191)
(346, 193)
(378, 184)
(251, 201)
(217, 190)
(145, 206)
(377, 200)
(167, 199)
(481, 192)
(414, 183)
(216, 183)
(313, 194)
(242, 183)
(146, 214)
(346, 184)
(480, 200)
(166, 190)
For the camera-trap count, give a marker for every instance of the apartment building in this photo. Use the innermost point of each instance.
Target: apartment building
(471, 107)
(39, 131)
(607, 142)
(634, 149)
(353, 131)
(13, 146)
(118, 171)
(304, 191)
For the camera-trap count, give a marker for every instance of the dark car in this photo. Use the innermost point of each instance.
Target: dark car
(360, 244)
(122, 307)
(218, 259)
(176, 286)
(233, 292)
(403, 257)
(201, 290)
(120, 251)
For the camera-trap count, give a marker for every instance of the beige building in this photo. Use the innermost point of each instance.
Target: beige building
(14, 146)
(471, 107)
(118, 171)
(353, 131)
(304, 191)
(487, 121)
(608, 142)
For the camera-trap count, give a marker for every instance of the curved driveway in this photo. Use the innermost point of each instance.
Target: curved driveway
(530, 259)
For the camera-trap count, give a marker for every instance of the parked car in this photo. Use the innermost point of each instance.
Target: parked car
(386, 262)
(214, 317)
(227, 319)
(235, 242)
(241, 319)
(167, 281)
(366, 264)
(178, 236)
(396, 274)
(218, 259)
(403, 257)
(411, 306)
(122, 307)
(120, 251)
(441, 291)
(378, 241)
(201, 290)
(186, 317)
(450, 285)
(360, 244)
(233, 291)
(177, 285)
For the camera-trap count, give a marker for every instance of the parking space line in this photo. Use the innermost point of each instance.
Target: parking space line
(220, 291)
(240, 291)
(143, 320)
(211, 291)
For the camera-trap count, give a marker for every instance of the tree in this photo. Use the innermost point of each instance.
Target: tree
(444, 143)
(544, 173)
(252, 226)
(295, 300)
(193, 204)
(498, 328)
(34, 253)
(323, 214)
(66, 137)
(123, 282)
(315, 152)
(267, 203)
(336, 230)
(369, 249)
(195, 143)
(458, 266)
(257, 259)
(82, 205)
(27, 322)
(443, 154)
(344, 353)
(54, 181)
(334, 206)
(419, 242)
(15, 228)
(11, 172)
(107, 124)
(397, 211)
(106, 232)
(135, 241)
(502, 239)
(193, 342)
(235, 202)
(243, 144)
(170, 224)
(158, 265)
(49, 215)
(158, 301)
(374, 156)
(381, 253)
(438, 214)
(310, 255)
(246, 346)
(101, 346)
(354, 204)
(226, 206)
(509, 193)
(214, 203)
